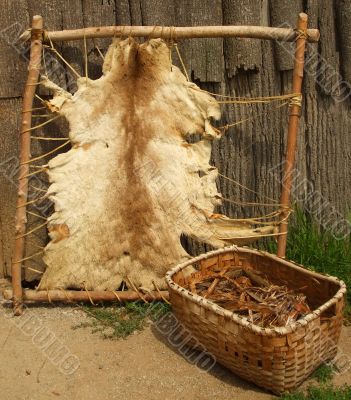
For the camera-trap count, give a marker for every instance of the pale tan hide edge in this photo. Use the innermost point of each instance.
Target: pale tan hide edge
(131, 184)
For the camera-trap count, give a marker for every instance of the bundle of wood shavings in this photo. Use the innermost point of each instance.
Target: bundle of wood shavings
(250, 294)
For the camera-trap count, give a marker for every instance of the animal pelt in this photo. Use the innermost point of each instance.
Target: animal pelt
(132, 184)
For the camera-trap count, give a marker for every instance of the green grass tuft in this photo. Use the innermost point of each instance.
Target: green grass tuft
(324, 373)
(316, 249)
(321, 393)
(122, 321)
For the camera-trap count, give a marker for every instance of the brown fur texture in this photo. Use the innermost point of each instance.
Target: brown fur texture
(132, 185)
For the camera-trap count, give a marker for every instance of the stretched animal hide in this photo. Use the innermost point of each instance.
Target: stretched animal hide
(132, 184)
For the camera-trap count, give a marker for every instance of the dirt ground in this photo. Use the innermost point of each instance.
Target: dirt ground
(141, 366)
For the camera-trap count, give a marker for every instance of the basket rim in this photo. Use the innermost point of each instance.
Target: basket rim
(243, 321)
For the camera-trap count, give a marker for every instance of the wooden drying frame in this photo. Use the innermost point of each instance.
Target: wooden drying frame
(37, 36)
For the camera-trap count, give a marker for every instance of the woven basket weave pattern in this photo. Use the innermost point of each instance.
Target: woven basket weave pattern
(277, 359)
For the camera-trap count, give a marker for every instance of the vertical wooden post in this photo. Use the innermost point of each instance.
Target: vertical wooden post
(21, 211)
(294, 118)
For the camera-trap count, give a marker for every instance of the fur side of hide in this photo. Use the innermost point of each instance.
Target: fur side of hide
(131, 183)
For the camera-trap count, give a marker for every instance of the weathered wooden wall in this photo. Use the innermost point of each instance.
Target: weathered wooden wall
(239, 67)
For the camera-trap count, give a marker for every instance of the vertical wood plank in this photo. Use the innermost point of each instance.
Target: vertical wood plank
(9, 164)
(242, 54)
(13, 20)
(283, 14)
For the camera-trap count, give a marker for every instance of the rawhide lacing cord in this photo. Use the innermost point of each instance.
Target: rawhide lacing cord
(90, 299)
(301, 34)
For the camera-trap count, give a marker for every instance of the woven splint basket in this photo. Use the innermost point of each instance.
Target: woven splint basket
(278, 359)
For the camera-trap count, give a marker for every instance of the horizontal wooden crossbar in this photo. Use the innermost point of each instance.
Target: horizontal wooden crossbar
(175, 33)
(48, 296)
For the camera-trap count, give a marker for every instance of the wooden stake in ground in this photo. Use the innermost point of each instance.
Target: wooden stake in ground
(294, 118)
(21, 219)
